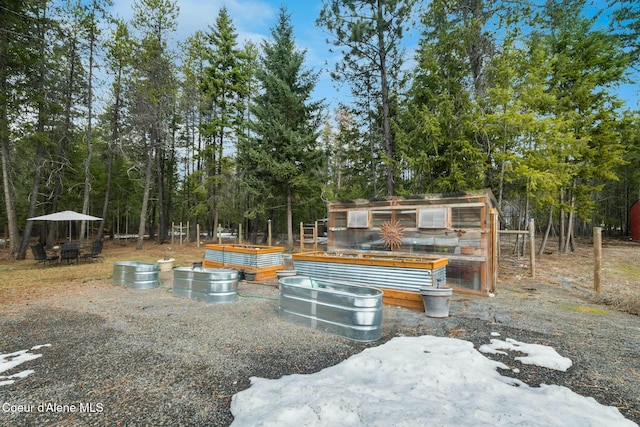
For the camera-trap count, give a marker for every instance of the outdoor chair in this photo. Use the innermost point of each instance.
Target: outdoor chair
(96, 250)
(40, 255)
(70, 252)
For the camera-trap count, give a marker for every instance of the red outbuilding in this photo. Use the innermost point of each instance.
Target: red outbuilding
(634, 220)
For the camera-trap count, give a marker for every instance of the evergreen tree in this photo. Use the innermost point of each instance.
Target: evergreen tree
(92, 14)
(31, 100)
(153, 105)
(352, 163)
(225, 86)
(192, 109)
(282, 149)
(438, 141)
(119, 59)
(626, 24)
(371, 34)
(15, 57)
(588, 64)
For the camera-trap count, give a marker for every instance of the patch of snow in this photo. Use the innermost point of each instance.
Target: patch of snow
(9, 361)
(537, 354)
(416, 381)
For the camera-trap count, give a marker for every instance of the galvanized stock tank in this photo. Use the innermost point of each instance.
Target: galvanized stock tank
(135, 275)
(351, 311)
(214, 285)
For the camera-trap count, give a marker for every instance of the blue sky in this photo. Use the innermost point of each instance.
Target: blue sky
(254, 18)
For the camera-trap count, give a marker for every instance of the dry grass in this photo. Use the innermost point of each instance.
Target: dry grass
(585, 309)
(457, 332)
(620, 277)
(620, 285)
(25, 279)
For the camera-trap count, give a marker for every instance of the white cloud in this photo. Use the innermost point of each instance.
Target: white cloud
(251, 18)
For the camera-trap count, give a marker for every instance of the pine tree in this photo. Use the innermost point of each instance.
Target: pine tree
(15, 57)
(153, 104)
(370, 34)
(225, 86)
(119, 59)
(588, 63)
(438, 140)
(282, 148)
(192, 110)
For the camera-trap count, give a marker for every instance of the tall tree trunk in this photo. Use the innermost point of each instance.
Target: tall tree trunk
(115, 135)
(386, 108)
(290, 219)
(162, 218)
(7, 180)
(33, 201)
(62, 159)
(562, 221)
(6, 46)
(502, 164)
(145, 200)
(546, 232)
(87, 163)
(28, 228)
(569, 234)
(107, 192)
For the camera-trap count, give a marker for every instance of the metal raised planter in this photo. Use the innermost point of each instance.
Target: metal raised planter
(135, 274)
(348, 310)
(213, 285)
(399, 276)
(264, 261)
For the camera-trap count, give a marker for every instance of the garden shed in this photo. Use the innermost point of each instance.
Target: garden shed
(634, 220)
(460, 227)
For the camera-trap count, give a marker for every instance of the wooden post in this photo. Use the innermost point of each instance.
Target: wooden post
(301, 237)
(188, 232)
(532, 247)
(269, 233)
(197, 235)
(173, 227)
(180, 233)
(597, 255)
(219, 234)
(315, 236)
(239, 234)
(492, 251)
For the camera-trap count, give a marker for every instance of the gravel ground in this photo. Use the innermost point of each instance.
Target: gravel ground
(146, 358)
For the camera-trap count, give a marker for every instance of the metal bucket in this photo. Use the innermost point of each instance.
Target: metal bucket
(213, 285)
(135, 275)
(351, 311)
(436, 301)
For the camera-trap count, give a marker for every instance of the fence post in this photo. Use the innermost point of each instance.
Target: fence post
(269, 233)
(315, 236)
(493, 250)
(597, 255)
(532, 246)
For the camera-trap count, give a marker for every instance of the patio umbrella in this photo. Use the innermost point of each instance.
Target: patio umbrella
(65, 216)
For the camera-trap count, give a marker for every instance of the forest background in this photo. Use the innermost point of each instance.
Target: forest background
(115, 118)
